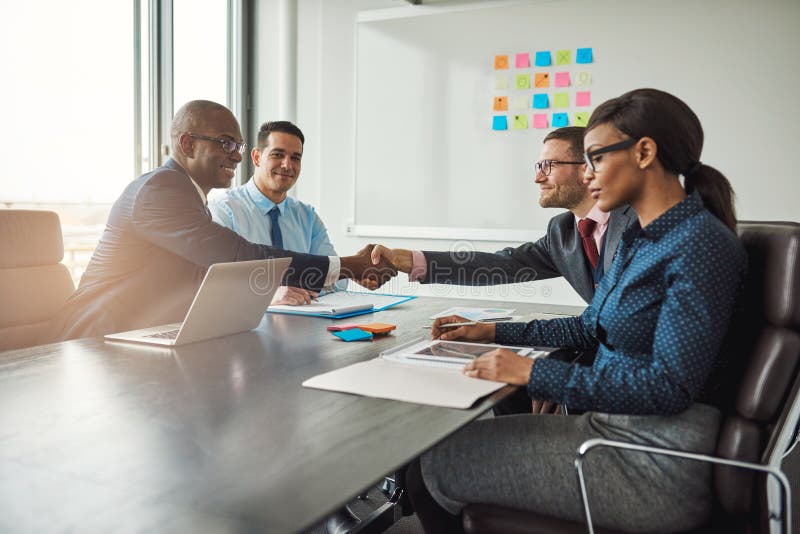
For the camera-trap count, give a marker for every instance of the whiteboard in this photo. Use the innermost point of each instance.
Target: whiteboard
(428, 164)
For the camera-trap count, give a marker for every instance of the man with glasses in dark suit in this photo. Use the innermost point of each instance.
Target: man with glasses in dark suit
(160, 240)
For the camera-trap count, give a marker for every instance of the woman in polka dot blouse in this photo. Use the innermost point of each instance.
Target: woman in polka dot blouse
(656, 324)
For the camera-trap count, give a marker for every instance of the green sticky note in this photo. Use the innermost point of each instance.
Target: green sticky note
(520, 122)
(563, 57)
(523, 81)
(561, 100)
(580, 118)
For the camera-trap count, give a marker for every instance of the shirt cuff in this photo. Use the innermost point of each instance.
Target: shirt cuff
(419, 267)
(334, 268)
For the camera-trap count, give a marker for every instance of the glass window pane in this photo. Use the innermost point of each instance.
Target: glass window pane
(200, 55)
(68, 125)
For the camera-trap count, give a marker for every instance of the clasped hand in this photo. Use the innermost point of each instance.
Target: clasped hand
(500, 365)
(362, 269)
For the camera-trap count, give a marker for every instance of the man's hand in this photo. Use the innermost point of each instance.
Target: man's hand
(501, 365)
(402, 259)
(480, 333)
(361, 269)
(293, 296)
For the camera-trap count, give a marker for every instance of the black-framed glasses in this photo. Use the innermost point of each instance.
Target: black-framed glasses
(228, 145)
(546, 165)
(591, 154)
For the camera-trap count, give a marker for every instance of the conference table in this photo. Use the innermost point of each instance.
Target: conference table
(217, 436)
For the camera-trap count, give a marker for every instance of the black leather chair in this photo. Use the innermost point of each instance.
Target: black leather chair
(33, 284)
(764, 395)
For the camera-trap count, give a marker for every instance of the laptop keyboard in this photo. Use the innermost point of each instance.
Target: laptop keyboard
(171, 334)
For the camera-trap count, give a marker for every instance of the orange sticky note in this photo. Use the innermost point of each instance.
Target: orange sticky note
(500, 103)
(541, 79)
(500, 62)
(377, 328)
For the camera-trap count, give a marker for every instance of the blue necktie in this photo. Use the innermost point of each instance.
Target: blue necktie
(275, 230)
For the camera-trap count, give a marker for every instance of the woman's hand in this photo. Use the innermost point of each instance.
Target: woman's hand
(501, 365)
(480, 333)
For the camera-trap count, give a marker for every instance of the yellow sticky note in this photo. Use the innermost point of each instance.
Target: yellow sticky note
(520, 122)
(580, 118)
(563, 57)
(541, 80)
(501, 81)
(523, 81)
(500, 103)
(583, 78)
(561, 100)
(500, 62)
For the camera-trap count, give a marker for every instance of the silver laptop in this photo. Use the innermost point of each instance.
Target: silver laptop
(243, 288)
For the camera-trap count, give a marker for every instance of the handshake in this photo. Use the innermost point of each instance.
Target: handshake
(374, 265)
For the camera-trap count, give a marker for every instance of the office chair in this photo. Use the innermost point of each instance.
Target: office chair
(764, 403)
(33, 284)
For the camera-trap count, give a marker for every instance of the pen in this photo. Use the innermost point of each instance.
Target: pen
(452, 325)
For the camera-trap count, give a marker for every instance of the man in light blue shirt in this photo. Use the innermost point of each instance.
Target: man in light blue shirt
(261, 210)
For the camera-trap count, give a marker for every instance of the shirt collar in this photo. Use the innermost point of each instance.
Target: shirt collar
(686, 208)
(260, 200)
(597, 215)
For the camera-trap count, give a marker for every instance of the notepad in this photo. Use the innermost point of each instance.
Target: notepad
(341, 304)
(452, 354)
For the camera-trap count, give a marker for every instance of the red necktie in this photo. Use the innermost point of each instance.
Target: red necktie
(586, 229)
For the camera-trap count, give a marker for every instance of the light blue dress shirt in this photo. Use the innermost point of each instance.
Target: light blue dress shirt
(245, 210)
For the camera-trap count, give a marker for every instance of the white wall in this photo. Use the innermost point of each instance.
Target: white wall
(325, 112)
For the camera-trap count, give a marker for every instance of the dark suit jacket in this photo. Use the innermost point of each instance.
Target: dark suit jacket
(157, 245)
(558, 253)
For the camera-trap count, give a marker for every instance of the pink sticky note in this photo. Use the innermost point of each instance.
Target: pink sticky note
(540, 120)
(562, 79)
(583, 98)
(523, 61)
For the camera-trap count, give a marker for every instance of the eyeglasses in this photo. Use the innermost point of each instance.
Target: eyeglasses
(592, 154)
(228, 145)
(546, 165)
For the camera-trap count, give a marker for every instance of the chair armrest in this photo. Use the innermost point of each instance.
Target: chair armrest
(588, 445)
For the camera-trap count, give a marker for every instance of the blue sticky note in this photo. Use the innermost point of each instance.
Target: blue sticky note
(540, 101)
(499, 122)
(354, 334)
(560, 120)
(543, 59)
(583, 55)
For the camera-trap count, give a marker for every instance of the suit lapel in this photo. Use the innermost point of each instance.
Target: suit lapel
(617, 224)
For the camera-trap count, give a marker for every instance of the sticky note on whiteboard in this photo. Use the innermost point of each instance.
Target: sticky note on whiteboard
(519, 102)
(523, 61)
(583, 98)
(584, 78)
(543, 58)
(541, 80)
(560, 120)
(501, 81)
(500, 103)
(583, 55)
(540, 101)
(580, 118)
(540, 120)
(520, 122)
(563, 57)
(500, 62)
(523, 81)
(562, 79)
(499, 122)
(561, 100)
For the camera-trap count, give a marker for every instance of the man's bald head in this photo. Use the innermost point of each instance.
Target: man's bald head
(191, 117)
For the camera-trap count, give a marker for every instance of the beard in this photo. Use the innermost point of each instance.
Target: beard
(567, 196)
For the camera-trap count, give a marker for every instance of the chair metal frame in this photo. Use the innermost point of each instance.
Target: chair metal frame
(588, 445)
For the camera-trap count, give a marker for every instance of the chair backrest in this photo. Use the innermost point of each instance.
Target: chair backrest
(33, 284)
(763, 345)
